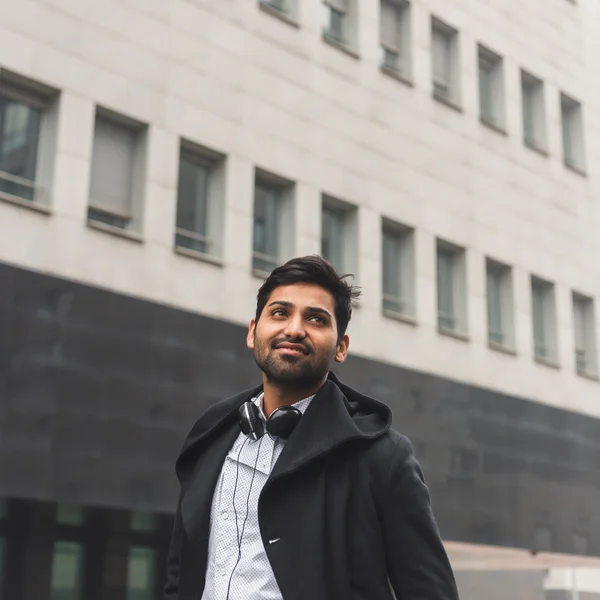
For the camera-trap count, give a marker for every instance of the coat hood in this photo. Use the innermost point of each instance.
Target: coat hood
(336, 415)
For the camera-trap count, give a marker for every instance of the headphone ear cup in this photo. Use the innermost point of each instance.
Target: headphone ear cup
(282, 421)
(250, 422)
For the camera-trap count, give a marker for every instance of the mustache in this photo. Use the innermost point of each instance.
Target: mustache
(285, 340)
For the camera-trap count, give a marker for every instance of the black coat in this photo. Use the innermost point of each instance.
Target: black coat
(346, 497)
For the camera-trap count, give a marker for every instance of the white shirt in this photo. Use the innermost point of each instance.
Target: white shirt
(253, 577)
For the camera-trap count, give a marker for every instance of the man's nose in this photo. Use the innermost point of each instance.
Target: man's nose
(295, 328)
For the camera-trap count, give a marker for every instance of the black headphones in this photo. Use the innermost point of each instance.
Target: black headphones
(280, 424)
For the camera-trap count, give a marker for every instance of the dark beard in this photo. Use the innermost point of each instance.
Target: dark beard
(305, 373)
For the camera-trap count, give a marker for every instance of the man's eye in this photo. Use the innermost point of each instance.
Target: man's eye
(278, 313)
(318, 319)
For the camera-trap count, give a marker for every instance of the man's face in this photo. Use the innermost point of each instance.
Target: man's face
(295, 339)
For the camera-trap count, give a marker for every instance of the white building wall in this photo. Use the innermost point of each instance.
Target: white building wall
(233, 78)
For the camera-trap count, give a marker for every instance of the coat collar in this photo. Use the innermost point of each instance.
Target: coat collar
(327, 423)
(333, 418)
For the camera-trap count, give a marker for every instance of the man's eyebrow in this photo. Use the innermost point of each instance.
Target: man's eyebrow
(282, 303)
(318, 310)
(311, 309)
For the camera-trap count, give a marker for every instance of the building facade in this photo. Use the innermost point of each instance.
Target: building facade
(159, 157)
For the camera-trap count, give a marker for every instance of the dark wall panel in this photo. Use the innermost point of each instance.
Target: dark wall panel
(97, 391)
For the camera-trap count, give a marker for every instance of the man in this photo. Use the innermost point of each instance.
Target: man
(298, 489)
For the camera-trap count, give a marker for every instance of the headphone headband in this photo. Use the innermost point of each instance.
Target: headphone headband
(280, 423)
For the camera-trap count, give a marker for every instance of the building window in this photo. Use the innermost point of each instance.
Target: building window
(397, 269)
(543, 308)
(394, 31)
(534, 120)
(73, 516)
(491, 88)
(141, 573)
(67, 563)
(499, 305)
(24, 124)
(280, 5)
(338, 234)
(335, 20)
(572, 133)
(143, 521)
(272, 222)
(585, 335)
(117, 172)
(444, 48)
(451, 288)
(199, 200)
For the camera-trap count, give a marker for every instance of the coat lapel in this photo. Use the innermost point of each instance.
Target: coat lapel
(201, 460)
(326, 424)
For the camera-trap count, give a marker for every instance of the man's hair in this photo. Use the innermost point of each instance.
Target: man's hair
(312, 269)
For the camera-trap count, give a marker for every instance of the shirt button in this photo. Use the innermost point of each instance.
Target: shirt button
(223, 572)
(225, 516)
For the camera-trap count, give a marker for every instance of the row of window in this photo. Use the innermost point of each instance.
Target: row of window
(340, 28)
(68, 556)
(116, 204)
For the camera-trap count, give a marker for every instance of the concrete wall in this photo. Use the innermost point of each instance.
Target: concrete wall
(266, 94)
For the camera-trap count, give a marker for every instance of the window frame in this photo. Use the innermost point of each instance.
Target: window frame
(102, 216)
(454, 323)
(214, 163)
(339, 8)
(585, 350)
(399, 51)
(504, 337)
(348, 221)
(284, 218)
(537, 140)
(543, 293)
(447, 91)
(43, 98)
(572, 133)
(404, 298)
(494, 115)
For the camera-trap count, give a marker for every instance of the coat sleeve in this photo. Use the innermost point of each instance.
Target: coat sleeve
(417, 563)
(171, 588)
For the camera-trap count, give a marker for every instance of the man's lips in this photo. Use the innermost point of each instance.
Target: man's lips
(288, 348)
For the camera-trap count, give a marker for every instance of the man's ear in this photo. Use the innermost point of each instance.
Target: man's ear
(342, 349)
(250, 336)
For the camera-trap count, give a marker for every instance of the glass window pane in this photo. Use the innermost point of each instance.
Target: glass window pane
(112, 166)
(67, 565)
(539, 325)
(441, 60)
(390, 25)
(486, 81)
(391, 265)
(494, 301)
(19, 138)
(332, 237)
(267, 206)
(528, 103)
(335, 23)
(567, 134)
(144, 521)
(70, 515)
(445, 276)
(141, 574)
(193, 204)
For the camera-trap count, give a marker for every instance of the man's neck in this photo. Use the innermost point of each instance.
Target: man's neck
(276, 396)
